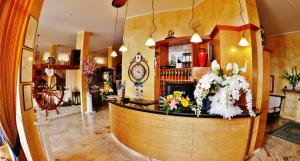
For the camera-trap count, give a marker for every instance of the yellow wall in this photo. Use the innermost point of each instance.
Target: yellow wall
(285, 55)
(208, 13)
(28, 132)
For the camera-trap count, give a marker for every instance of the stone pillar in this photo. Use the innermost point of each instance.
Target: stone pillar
(82, 44)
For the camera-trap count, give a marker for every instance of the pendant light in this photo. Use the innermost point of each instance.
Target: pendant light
(150, 42)
(123, 47)
(196, 37)
(243, 42)
(114, 53)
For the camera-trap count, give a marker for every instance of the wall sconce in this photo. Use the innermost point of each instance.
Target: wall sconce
(63, 57)
(99, 60)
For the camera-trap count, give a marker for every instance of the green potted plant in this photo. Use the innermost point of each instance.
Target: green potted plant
(293, 78)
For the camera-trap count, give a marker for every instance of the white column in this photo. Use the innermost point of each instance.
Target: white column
(89, 104)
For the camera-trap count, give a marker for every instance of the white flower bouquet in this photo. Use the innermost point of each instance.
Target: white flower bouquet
(223, 91)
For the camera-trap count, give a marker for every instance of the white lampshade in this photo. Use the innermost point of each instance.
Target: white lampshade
(123, 48)
(243, 42)
(150, 42)
(196, 38)
(113, 54)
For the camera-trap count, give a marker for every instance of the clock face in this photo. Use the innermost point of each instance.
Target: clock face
(138, 71)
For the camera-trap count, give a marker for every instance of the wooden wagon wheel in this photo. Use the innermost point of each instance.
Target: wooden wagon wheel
(47, 92)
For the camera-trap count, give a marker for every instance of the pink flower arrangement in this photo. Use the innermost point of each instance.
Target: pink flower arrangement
(88, 68)
(173, 105)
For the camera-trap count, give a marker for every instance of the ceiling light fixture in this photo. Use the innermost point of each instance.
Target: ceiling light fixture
(150, 42)
(196, 37)
(243, 42)
(114, 53)
(123, 47)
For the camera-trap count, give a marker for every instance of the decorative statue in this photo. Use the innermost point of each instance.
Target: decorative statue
(171, 34)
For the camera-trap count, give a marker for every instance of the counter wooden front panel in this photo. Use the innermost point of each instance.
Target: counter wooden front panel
(174, 138)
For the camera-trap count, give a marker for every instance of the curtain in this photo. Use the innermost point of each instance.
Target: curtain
(13, 13)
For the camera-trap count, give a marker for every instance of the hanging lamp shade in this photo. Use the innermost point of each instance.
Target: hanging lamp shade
(150, 42)
(113, 53)
(196, 38)
(243, 42)
(123, 48)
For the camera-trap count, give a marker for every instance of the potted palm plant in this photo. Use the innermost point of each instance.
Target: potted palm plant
(293, 78)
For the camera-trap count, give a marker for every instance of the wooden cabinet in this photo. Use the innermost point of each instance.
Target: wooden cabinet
(163, 74)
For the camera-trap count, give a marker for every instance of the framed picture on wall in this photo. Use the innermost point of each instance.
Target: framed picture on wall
(272, 84)
(31, 32)
(26, 66)
(27, 96)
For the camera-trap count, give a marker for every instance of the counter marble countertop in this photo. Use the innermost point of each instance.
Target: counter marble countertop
(191, 114)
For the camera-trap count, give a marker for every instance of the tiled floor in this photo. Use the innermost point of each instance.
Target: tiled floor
(277, 149)
(88, 138)
(85, 138)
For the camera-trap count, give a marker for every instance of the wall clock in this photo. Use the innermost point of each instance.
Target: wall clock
(138, 70)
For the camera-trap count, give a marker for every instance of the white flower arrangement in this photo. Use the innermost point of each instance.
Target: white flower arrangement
(226, 89)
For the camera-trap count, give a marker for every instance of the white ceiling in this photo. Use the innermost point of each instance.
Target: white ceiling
(279, 16)
(61, 20)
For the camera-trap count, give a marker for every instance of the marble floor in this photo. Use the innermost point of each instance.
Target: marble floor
(88, 138)
(277, 149)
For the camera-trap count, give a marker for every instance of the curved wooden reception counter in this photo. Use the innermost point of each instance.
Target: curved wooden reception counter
(183, 137)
